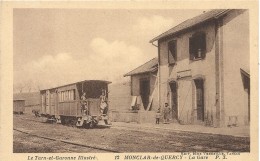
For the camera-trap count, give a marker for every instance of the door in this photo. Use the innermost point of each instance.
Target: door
(56, 102)
(145, 91)
(199, 99)
(43, 100)
(174, 99)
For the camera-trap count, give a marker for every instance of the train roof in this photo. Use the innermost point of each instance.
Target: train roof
(107, 82)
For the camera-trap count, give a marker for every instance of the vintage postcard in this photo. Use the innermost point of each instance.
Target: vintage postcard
(129, 81)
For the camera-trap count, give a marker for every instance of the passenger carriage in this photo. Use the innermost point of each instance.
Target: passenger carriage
(63, 104)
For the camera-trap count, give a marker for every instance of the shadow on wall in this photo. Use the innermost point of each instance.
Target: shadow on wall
(133, 116)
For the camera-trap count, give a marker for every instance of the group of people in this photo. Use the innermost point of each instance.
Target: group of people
(166, 114)
(103, 103)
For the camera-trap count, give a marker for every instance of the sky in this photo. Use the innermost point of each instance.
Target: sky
(53, 47)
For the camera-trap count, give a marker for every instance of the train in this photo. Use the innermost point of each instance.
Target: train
(80, 104)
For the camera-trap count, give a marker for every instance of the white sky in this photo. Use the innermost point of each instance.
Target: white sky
(57, 46)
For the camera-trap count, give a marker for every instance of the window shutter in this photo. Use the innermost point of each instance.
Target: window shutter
(172, 52)
(203, 45)
(191, 48)
(170, 57)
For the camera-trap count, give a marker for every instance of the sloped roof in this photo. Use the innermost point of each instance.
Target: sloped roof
(245, 72)
(149, 66)
(212, 14)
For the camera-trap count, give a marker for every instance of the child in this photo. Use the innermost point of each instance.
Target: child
(158, 115)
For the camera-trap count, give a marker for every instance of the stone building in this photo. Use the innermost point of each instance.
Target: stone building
(204, 69)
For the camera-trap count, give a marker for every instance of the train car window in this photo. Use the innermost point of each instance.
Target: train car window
(59, 96)
(43, 100)
(67, 95)
(72, 95)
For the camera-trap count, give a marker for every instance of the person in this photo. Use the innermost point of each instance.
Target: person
(83, 97)
(166, 113)
(103, 102)
(157, 116)
(84, 107)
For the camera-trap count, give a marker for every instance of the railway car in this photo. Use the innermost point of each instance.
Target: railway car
(18, 106)
(81, 104)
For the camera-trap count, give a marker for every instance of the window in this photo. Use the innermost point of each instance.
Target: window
(197, 46)
(67, 95)
(172, 52)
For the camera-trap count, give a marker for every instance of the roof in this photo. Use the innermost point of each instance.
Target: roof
(149, 66)
(245, 72)
(107, 82)
(212, 14)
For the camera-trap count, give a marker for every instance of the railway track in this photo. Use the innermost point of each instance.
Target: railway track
(66, 141)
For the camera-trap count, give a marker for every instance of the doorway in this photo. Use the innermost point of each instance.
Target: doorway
(200, 98)
(174, 99)
(145, 91)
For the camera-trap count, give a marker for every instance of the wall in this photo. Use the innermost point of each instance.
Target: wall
(119, 96)
(204, 68)
(130, 116)
(120, 100)
(153, 87)
(236, 55)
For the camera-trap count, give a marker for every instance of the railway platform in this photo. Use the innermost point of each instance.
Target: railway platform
(241, 131)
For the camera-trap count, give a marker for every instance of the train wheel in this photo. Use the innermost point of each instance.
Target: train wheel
(86, 125)
(67, 121)
(73, 122)
(93, 124)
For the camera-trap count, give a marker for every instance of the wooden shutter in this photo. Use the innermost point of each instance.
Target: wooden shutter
(191, 48)
(203, 44)
(172, 51)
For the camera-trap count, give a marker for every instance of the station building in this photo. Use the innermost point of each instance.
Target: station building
(204, 70)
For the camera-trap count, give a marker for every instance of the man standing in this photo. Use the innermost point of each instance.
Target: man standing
(166, 112)
(103, 102)
(84, 107)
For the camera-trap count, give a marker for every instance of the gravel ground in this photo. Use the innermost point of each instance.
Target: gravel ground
(123, 139)
(24, 144)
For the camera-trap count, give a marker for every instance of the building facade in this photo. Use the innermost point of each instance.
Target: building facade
(204, 69)
(144, 93)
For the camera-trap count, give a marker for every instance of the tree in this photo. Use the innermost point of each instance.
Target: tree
(19, 87)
